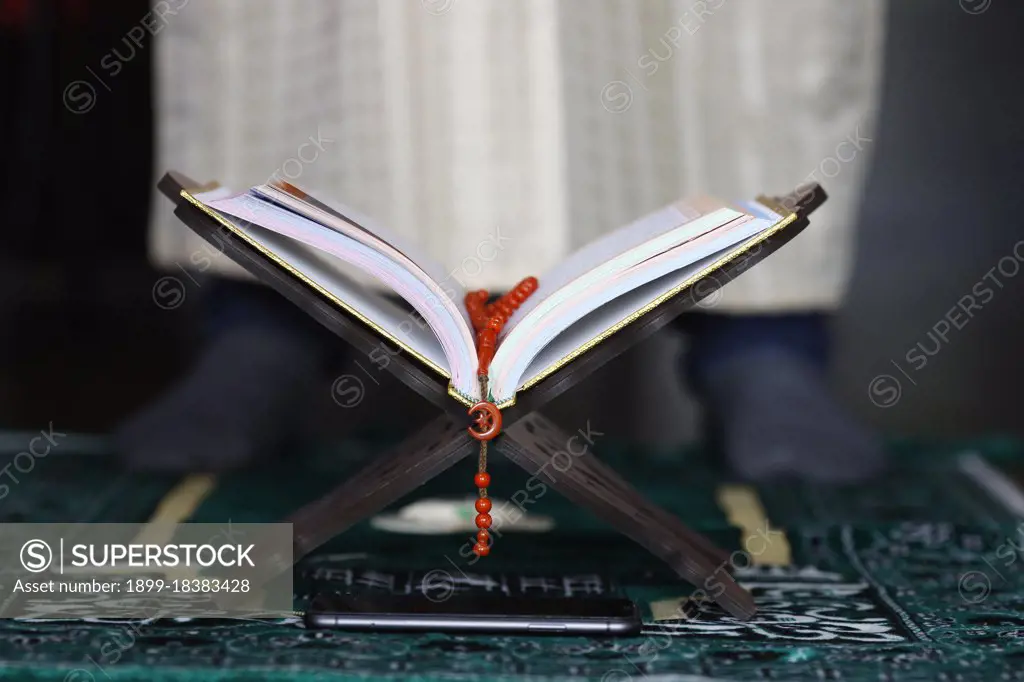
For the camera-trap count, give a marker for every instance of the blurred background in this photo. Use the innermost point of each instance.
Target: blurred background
(84, 342)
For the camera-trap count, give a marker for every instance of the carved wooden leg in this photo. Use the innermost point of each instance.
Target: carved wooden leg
(434, 448)
(548, 433)
(543, 450)
(416, 460)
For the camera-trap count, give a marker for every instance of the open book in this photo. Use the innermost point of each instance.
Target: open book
(593, 293)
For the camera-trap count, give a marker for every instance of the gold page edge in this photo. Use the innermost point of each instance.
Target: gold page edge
(459, 397)
(313, 285)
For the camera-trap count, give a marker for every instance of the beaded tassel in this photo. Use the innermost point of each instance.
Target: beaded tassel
(488, 321)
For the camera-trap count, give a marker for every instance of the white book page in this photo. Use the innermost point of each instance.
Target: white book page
(435, 308)
(528, 349)
(327, 273)
(606, 317)
(526, 341)
(611, 246)
(363, 229)
(600, 284)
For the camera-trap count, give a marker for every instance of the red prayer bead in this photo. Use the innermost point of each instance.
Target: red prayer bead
(488, 319)
(484, 361)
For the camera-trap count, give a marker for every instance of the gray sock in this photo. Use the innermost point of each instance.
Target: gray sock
(242, 400)
(775, 418)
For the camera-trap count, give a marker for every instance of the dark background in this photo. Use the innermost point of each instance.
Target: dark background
(82, 342)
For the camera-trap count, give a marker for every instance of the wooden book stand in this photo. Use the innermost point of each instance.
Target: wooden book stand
(527, 439)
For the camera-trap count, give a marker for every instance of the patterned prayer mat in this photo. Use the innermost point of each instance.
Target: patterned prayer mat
(914, 577)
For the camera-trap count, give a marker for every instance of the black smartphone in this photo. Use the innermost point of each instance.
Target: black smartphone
(472, 613)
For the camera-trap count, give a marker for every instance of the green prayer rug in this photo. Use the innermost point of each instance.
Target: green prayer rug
(914, 577)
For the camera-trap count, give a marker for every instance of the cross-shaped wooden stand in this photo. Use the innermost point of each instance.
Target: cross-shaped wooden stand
(527, 439)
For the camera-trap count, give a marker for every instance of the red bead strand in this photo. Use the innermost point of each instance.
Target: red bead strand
(488, 320)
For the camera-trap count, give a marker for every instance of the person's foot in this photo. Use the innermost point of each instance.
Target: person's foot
(243, 398)
(774, 418)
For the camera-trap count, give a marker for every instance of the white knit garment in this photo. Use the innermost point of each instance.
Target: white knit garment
(548, 121)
